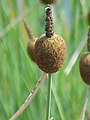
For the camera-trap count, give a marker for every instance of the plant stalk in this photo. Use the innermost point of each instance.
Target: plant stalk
(85, 104)
(29, 98)
(28, 30)
(49, 97)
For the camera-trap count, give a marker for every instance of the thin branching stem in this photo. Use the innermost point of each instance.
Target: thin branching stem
(85, 104)
(49, 97)
(29, 98)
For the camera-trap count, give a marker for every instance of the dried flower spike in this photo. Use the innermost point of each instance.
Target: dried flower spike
(85, 64)
(50, 48)
(48, 1)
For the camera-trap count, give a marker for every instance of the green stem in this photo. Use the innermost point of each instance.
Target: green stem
(49, 97)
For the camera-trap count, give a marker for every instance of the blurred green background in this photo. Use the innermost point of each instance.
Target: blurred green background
(19, 74)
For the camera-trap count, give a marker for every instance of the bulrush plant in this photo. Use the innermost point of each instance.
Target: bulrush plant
(49, 54)
(84, 67)
(85, 64)
(50, 48)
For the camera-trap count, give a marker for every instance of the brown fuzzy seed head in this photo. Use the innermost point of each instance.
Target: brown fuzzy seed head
(30, 49)
(84, 67)
(50, 53)
(48, 1)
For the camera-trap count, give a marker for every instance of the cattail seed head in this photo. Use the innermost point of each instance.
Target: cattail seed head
(30, 49)
(48, 1)
(50, 48)
(50, 53)
(84, 67)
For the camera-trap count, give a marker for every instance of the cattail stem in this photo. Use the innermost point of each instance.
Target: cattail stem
(85, 105)
(28, 30)
(49, 97)
(29, 98)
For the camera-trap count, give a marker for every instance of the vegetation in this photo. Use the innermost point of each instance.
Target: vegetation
(19, 74)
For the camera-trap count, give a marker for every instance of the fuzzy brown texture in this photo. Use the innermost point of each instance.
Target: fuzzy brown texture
(30, 50)
(50, 53)
(48, 1)
(84, 67)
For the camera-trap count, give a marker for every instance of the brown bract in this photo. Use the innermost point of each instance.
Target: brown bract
(50, 53)
(30, 49)
(85, 68)
(48, 1)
